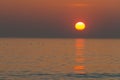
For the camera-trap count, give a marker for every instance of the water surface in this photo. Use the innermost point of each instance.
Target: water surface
(59, 59)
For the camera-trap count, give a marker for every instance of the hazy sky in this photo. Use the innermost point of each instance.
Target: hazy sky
(56, 18)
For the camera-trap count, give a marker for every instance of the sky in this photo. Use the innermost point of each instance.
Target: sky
(56, 18)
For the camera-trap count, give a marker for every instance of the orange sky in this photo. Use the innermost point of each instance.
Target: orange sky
(46, 5)
(94, 13)
(70, 8)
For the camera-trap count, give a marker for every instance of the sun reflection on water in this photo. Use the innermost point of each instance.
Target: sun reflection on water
(79, 67)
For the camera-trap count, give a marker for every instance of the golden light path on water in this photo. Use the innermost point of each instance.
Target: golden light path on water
(79, 68)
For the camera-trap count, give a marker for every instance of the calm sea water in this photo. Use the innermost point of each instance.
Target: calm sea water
(59, 59)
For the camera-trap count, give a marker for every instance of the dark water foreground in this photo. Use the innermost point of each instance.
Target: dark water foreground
(26, 75)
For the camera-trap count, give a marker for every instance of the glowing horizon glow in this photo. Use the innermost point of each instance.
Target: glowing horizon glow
(79, 26)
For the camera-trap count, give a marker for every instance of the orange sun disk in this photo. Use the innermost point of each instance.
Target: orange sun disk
(79, 26)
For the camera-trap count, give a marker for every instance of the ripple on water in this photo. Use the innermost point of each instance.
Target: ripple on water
(46, 76)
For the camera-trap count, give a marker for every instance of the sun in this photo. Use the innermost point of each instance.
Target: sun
(80, 26)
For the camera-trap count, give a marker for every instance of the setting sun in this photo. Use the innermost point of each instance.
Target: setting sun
(80, 26)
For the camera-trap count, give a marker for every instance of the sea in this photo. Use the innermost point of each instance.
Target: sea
(59, 59)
